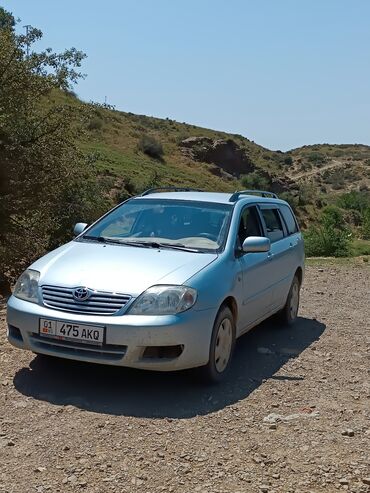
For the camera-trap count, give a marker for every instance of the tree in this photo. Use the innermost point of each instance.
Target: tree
(45, 180)
(7, 20)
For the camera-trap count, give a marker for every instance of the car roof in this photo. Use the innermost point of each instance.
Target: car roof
(215, 197)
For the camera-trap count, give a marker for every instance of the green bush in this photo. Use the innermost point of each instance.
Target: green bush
(365, 229)
(293, 200)
(127, 191)
(95, 124)
(288, 160)
(306, 194)
(358, 201)
(360, 247)
(316, 157)
(255, 181)
(330, 237)
(151, 147)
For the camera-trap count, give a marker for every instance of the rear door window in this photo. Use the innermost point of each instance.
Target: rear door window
(274, 227)
(289, 219)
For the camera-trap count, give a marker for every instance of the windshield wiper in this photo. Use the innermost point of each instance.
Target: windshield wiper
(143, 244)
(101, 239)
(117, 241)
(170, 246)
(154, 244)
(178, 246)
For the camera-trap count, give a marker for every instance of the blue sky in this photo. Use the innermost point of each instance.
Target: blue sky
(283, 73)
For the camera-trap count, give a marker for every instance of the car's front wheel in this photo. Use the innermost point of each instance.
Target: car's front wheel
(290, 311)
(221, 347)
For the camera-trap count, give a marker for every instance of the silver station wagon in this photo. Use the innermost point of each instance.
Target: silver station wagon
(164, 281)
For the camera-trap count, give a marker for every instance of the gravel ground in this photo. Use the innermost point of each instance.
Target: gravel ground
(294, 415)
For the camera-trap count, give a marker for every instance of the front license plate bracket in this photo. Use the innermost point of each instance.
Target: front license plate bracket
(72, 331)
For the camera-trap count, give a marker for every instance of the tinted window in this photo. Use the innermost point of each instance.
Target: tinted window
(274, 227)
(249, 224)
(289, 219)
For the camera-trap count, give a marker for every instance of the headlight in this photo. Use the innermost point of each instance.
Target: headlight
(164, 300)
(27, 285)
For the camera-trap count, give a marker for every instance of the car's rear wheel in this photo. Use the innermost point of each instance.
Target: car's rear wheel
(289, 313)
(221, 347)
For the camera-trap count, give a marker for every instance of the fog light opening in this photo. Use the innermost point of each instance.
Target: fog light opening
(15, 333)
(163, 352)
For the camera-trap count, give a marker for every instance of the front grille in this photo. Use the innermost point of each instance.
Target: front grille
(106, 352)
(99, 303)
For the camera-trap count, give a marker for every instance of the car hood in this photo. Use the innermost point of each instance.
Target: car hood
(118, 268)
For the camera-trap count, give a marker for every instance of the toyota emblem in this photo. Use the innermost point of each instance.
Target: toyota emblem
(81, 294)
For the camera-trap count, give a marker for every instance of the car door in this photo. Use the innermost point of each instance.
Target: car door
(255, 294)
(280, 254)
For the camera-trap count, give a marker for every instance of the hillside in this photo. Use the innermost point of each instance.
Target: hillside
(335, 168)
(215, 160)
(115, 136)
(309, 177)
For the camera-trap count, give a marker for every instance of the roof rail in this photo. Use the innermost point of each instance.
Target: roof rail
(171, 189)
(263, 193)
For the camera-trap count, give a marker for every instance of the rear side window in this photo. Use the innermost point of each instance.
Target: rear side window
(273, 223)
(289, 219)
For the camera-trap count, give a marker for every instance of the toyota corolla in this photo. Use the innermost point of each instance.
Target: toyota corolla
(164, 281)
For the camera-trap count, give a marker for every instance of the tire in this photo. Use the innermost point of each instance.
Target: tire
(288, 314)
(221, 347)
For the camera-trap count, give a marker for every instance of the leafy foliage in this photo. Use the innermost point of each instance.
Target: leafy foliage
(316, 157)
(366, 224)
(45, 180)
(331, 237)
(354, 200)
(358, 204)
(95, 123)
(256, 181)
(292, 199)
(151, 147)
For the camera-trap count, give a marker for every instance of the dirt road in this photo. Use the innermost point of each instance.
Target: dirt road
(317, 170)
(294, 415)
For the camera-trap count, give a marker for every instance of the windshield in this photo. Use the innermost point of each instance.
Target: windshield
(165, 223)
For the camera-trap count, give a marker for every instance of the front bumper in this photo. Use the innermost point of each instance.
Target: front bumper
(127, 336)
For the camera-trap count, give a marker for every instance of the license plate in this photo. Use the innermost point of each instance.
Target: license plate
(68, 331)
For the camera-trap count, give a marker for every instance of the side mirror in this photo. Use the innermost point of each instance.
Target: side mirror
(79, 228)
(255, 244)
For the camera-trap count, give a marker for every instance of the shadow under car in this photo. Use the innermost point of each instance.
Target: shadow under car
(258, 355)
